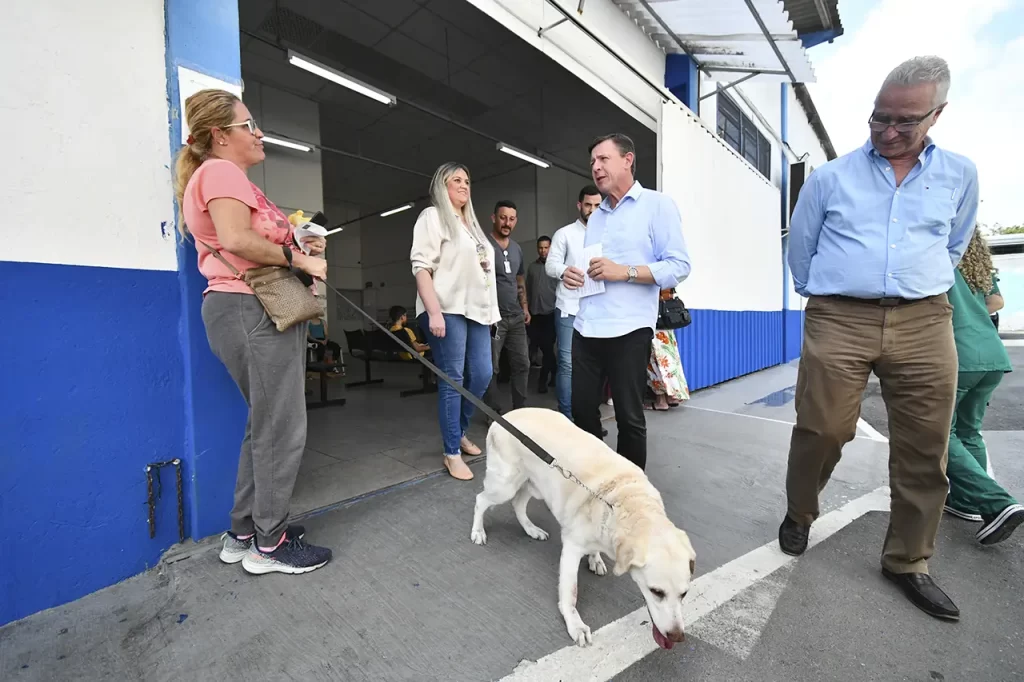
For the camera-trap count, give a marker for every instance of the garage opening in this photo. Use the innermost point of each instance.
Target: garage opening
(361, 101)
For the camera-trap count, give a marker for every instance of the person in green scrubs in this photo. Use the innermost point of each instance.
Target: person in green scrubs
(973, 494)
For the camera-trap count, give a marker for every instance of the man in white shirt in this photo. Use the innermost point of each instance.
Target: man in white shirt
(566, 253)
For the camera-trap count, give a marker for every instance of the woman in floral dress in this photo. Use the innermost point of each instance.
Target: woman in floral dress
(665, 375)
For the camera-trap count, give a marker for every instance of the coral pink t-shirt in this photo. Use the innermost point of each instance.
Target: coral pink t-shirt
(220, 179)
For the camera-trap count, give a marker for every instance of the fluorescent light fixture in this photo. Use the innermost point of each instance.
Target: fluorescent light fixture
(403, 207)
(334, 231)
(270, 139)
(520, 154)
(335, 76)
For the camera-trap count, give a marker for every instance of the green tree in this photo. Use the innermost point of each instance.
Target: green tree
(1010, 229)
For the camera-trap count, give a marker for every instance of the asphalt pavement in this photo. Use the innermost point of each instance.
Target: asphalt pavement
(409, 597)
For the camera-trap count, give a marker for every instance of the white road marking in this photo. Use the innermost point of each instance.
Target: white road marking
(627, 640)
(870, 433)
(736, 625)
(739, 414)
(870, 430)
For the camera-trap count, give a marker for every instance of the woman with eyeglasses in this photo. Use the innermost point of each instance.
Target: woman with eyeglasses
(224, 211)
(456, 304)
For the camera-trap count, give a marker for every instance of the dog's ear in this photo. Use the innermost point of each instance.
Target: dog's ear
(684, 539)
(630, 552)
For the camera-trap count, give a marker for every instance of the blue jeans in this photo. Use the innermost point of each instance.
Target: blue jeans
(464, 354)
(563, 378)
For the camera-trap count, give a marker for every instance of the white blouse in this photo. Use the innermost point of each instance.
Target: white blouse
(461, 285)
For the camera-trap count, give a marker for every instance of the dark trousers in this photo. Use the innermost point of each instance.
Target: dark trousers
(322, 348)
(542, 335)
(622, 361)
(510, 334)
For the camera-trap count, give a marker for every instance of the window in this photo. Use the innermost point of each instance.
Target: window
(741, 134)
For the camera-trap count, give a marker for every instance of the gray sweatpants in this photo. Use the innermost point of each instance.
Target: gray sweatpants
(269, 368)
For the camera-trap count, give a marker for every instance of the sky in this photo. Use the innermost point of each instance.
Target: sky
(983, 41)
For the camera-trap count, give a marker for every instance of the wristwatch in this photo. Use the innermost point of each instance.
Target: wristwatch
(631, 273)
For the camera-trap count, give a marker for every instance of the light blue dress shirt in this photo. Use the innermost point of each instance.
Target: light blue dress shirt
(855, 233)
(643, 229)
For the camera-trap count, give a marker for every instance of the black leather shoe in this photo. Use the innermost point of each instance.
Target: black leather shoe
(923, 593)
(793, 537)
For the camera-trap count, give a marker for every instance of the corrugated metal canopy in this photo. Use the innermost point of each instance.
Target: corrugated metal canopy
(811, 16)
(724, 36)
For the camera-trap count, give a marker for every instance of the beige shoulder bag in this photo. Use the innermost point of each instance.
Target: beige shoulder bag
(285, 298)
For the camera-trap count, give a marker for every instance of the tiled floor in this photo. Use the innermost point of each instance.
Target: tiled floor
(377, 439)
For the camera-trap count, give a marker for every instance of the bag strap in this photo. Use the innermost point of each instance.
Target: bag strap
(222, 259)
(527, 442)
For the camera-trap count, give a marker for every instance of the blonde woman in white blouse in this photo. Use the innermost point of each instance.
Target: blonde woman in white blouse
(456, 304)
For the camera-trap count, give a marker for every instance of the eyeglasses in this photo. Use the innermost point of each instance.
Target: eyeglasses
(249, 123)
(902, 127)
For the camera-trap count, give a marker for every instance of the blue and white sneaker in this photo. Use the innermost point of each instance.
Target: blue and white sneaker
(234, 550)
(1001, 526)
(293, 557)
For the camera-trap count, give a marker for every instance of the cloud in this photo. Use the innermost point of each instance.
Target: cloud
(986, 100)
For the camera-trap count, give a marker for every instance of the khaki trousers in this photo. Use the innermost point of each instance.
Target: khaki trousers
(910, 348)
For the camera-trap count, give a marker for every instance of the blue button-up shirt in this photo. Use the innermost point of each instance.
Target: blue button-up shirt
(643, 229)
(855, 233)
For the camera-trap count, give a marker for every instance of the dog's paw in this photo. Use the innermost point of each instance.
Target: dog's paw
(478, 536)
(537, 533)
(580, 632)
(595, 562)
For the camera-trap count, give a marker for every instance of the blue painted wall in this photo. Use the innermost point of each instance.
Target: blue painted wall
(203, 35)
(681, 79)
(106, 371)
(91, 392)
(793, 323)
(720, 345)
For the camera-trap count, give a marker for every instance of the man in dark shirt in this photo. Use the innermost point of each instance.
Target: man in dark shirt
(510, 332)
(542, 291)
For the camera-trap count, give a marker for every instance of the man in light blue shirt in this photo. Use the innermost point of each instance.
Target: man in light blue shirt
(642, 252)
(873, 243)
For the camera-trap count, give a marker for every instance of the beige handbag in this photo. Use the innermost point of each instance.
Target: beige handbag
(286, 299)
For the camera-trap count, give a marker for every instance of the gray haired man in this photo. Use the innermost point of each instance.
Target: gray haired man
(875, 237)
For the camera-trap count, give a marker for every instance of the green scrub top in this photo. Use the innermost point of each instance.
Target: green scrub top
(977, 341)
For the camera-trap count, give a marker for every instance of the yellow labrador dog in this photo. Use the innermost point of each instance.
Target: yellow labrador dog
(634, 531)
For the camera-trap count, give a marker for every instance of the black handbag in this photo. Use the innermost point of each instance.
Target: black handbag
(672, 314)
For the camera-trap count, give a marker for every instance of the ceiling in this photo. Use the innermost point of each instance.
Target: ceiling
(441, 56)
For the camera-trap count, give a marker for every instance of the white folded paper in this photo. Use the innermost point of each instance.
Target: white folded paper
(307, 230)
(590, 286)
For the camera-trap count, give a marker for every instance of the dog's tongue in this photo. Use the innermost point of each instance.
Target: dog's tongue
(661, 639)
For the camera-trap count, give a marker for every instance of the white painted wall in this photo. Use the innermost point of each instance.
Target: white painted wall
(579, 54)
(766, 98)
(802, 137)
(344, 267)
(85, 158)
(291, 179)
(729, 214)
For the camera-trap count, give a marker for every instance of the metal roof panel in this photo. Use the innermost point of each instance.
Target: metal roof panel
(725, 34)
